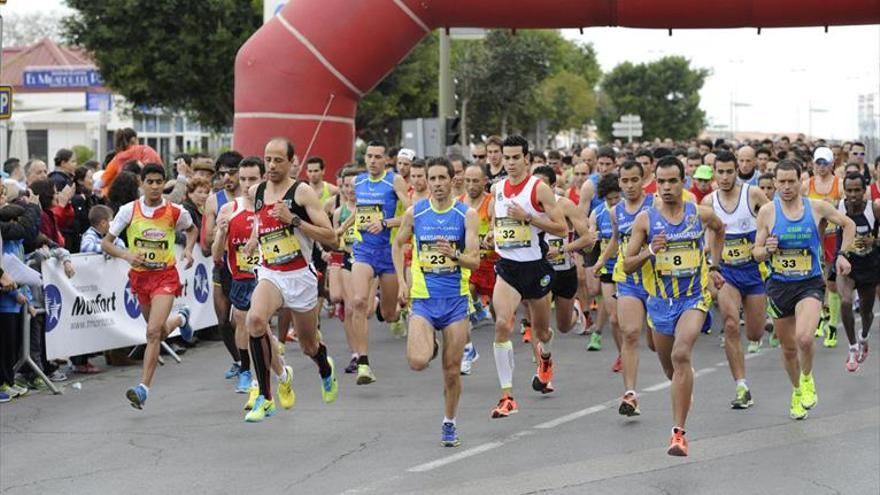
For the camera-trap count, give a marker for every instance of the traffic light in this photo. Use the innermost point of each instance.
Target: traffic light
(453, 130)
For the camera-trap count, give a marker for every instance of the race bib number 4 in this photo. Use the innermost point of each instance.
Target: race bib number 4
(156, 253)
(736, 251)
(792, 262)
(279, 247)
(680, 259)
(510, 233)
(433, 261)
(367, 214)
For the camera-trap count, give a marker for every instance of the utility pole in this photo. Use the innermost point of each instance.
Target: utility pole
(445, 100)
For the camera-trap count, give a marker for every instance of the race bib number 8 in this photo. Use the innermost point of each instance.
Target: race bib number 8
(279, 247)
(156, 253)
(433, 261)
(792, 262)
(367, 214)
(736, 251)
(680, 259)
(510, 233)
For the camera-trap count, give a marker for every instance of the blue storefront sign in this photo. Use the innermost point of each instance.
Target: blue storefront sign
(95, 102)
(54, 78)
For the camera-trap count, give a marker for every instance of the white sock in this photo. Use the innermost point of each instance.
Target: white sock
(547, 347)
(743, 383)
(283, 376)
(255, 383)
(633, 392)
(447, 420)
(145, 387)
(468, 347)
(855, 347)
(182, 318)
(504, 363)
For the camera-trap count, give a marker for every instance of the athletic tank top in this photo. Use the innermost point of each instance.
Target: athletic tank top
(866, 231)
(325, 193)
(797, 257)
(485, 225)
(222, 199)
(595, 201)
(494, 178)
(833, 196)
(574, 195)
(739, 230)
(153, 236)
(283, 247)
(625, 221)
(516, 240)
(241, 225)
(603, 225)
(560, 262)
(433, 273)
(376, 201)
(680, 269)
(752, 181)
(350, 235)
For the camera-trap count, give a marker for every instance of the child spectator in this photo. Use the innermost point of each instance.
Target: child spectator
(99, 221)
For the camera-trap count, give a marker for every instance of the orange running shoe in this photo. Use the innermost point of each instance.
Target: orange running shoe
(617, 366)
(544, 374)
(506, 406)
(678, 445)
(527, 335)
(629, 405)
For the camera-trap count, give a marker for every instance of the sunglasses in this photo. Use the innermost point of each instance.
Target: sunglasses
(858, 153)
(228, 172)
(480, 157)
(822, 162)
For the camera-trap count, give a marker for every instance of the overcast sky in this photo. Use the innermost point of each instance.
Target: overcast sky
(779, 74)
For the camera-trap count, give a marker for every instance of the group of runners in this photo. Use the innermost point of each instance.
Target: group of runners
(432, 246)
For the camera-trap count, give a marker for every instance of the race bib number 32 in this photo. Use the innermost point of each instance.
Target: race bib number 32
(510, 233)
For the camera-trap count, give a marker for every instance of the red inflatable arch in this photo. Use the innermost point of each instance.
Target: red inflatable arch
(317, 58)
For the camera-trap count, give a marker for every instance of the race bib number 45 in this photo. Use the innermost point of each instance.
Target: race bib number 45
(680, 259)
(510, 233)
(736, 251)
(792, 262)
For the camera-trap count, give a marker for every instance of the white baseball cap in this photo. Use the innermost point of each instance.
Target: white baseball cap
(823, 153)
(406, 154)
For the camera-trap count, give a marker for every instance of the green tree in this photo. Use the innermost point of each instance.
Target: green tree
(168, 53)
(410, 91)
(665, 93)
(567, 101)
(83, 153)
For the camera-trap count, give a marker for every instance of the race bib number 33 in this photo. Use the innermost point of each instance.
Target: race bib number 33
(793, 262)
(510, 233)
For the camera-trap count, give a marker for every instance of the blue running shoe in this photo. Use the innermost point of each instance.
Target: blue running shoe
(244, 382)
(4, 397)
(137, 396)
(233, 371)
(186, 330)
(449, 438)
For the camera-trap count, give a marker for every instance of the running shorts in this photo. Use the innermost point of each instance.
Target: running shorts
(441, 312)
(378, 257)
(783, 296)
(298, 288)
(665, 313)
(150, 283)
(532, 279)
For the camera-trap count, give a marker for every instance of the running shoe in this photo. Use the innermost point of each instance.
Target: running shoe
(595, 342)
(863, 351)
(629, 405)
(483, 314)
(544, 374)
(10, 391)
(4, 397)
(809, 399)
(774, 340)
(398, 329)
(87, 369)
(823, 322)
(291, 336)
(137, 396)
(329, 386)
(831, 337)
(755, 345)
(352, 365)
(233, 371)
(617, 366)
(253, 393)
(468, 359)
(743, 398)
(262, 409)
(852, 361)
(365, 375)
(244, 382)
(506, 406)
(580, 323)
(449, 438)
(678, 445)
(286, 395)
(527, 335)
(280, 348)
(58, 376)
(186, 330)
(22, 389)
(797, 410)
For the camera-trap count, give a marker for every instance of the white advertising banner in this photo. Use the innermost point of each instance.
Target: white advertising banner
(95, 310)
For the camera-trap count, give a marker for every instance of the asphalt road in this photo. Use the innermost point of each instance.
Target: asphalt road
(384, 438)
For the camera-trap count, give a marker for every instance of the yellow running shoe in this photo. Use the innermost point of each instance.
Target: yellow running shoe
(797, 410)
(808, 391)
(263, 409)
(280, 348)
(286, 396)
(365, 375)
(329, 387)
(253, 393)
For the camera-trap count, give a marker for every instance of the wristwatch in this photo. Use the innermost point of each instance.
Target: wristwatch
(296, 221)
(384, 224)
(455, 256)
